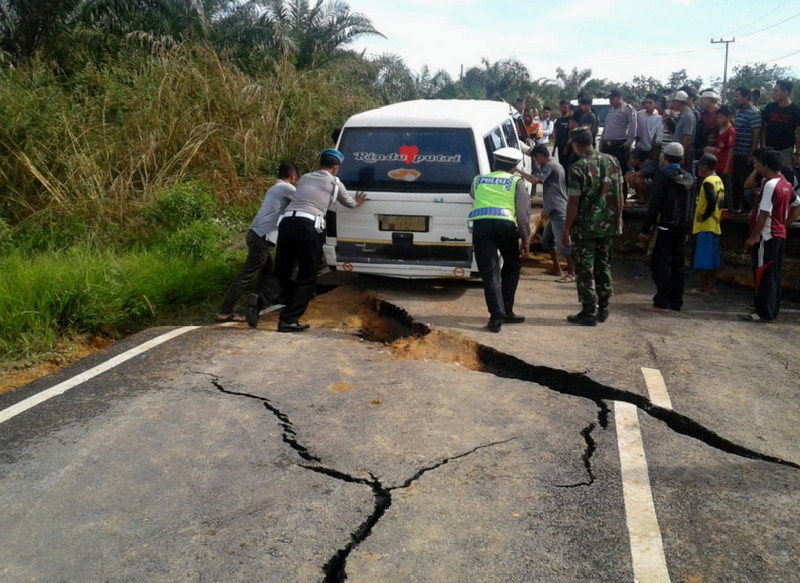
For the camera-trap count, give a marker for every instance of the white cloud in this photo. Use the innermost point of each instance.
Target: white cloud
(602, 36)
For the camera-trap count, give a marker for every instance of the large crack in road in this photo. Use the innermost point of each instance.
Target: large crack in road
(389, 323)
(335, 568)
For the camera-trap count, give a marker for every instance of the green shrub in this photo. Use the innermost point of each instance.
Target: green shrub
(181, 206)
(200, 241)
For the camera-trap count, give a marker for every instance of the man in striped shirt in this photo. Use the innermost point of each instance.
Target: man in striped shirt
(748, 136)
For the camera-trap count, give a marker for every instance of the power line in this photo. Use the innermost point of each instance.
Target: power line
(766, 60)
(773, 25)
(752, 22)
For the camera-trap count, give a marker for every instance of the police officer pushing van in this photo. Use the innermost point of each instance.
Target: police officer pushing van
(500, 221)
(300, 235)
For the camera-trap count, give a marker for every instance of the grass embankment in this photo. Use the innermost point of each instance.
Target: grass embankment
(125, 185)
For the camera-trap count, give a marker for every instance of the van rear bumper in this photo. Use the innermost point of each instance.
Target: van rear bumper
(407, 261)
(444, 255)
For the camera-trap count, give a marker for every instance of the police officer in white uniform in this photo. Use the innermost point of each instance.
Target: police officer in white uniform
(300, 235)
(500, 221)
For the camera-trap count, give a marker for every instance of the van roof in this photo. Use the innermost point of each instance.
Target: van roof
(482, 116)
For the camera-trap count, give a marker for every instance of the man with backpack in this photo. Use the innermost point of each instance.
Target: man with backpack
(669, 213)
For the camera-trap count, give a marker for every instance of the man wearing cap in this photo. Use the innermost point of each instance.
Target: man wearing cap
(709, 105)
(594, 217)
(670, 211)
(500, 220)
(685, 127)
(299, 235)
(619, 131)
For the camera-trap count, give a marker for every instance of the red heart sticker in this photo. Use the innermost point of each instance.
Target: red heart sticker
(409, 152)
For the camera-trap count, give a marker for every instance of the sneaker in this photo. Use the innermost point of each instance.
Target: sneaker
(754, 318)
(252, 311)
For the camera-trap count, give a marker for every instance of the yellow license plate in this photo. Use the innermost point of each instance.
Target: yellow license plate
(404, 223)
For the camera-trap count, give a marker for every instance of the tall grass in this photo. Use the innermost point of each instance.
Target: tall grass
(120, 184)
(98, 144)
(49, 296)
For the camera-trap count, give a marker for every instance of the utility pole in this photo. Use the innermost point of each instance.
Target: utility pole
(725, 74)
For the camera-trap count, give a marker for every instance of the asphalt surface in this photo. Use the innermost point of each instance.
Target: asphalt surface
(231, 454)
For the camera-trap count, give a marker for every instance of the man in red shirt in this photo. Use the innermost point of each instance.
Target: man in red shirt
(776, 207)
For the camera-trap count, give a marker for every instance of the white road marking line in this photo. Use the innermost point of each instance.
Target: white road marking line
(657, 388)
(63, 387)
(647, 549)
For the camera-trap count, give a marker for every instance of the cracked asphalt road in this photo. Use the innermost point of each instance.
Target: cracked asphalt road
(230, 454)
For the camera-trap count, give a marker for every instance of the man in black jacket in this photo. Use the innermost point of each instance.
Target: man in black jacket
(670, 212)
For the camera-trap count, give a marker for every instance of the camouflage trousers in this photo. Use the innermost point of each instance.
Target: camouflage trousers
(592, 259)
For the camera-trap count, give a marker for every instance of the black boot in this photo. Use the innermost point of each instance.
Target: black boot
(602, 310)
(586, 317)
(495, 324)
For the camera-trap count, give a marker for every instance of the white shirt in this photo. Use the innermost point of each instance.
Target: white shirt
(649, 130)
(547, 129)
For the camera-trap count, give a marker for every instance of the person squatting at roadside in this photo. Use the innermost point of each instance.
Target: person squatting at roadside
(261, 238)
(594, 217)
(670, 211)
(500, 220)
(299, 235)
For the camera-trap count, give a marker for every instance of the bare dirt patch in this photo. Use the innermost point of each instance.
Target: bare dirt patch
(14, 376)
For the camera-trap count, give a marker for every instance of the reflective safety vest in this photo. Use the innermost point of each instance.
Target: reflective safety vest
(494, 196)
(711, 224)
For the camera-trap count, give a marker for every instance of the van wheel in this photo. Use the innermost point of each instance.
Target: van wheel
(474, 275)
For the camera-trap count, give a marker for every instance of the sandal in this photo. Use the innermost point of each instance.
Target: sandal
(566, 279)
(222, 318)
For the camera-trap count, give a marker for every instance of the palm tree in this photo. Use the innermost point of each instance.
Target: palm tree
(309, 34)
(573, 82)
(313, 34)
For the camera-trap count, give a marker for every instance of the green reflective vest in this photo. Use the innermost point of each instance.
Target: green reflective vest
(494, 196)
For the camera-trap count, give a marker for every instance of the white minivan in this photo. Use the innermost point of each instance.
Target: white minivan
(416, 161)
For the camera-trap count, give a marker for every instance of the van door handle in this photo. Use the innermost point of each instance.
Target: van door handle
(446, 239)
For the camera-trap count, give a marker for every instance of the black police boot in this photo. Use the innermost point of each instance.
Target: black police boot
(586, 317)
(495, 324)
(513, 318)
(602, 310)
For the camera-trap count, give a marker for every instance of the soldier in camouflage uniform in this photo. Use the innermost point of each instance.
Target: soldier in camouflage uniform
(594, 217)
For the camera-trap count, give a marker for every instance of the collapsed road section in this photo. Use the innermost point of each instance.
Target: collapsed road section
(378, 321)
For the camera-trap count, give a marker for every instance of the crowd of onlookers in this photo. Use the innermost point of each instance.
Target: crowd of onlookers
(690, 159)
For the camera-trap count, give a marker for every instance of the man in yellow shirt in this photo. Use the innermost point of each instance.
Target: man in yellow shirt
(706, 225)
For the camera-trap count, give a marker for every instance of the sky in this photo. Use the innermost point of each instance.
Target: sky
(616, 39)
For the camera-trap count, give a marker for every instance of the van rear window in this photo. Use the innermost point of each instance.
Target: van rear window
(408, 160)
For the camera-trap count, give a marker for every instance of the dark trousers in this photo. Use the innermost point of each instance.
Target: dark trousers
(258, 263)
(499, 285)
(298, 244)
(666, 264)
(563, 155)
(741, 170)
(621, 154)
(767, 272)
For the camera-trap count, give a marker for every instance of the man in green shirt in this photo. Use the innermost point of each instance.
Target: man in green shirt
(594, 217)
